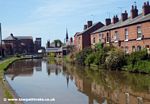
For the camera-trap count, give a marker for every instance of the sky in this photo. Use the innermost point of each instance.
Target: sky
(49, 19)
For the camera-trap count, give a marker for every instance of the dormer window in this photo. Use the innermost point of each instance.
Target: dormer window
(139, 33)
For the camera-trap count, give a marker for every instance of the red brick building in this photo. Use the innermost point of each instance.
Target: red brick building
(83, 39)
(20, 44)
(129, 33)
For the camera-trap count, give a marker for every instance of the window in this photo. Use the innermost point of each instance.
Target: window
(126, 34)
(147, 46)
(139, 33)
(79, 40)
(108, 38)
(126, 50)
(139, 48)
(116, 36)
(94, 40)
(133, 49)
(100, 36)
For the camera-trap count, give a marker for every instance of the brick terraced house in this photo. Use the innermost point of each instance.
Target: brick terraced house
(83, 39)
(129, 33)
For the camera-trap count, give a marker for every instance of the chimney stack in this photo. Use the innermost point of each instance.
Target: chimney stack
(115, 19)
(134, 12)
(146, 8)
(89, 24)
(108, 21)
(71, 40)
(85, 27)
(124, 16)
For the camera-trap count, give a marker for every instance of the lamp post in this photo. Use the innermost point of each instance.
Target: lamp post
(1, 40)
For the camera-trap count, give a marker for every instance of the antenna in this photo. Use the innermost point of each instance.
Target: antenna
(92, 17)
(135, 3)
(120, 9)
(108, 13)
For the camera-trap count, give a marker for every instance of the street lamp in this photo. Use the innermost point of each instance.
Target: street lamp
(1, 39)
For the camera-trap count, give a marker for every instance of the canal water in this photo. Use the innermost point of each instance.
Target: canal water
(69, 84)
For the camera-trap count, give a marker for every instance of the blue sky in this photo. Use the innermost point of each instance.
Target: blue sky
(49, 18)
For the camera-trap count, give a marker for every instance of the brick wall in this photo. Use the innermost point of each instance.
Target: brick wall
(132, 36)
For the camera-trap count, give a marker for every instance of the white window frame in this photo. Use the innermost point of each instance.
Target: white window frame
(116, 37)
(139, 37)
(126, 32)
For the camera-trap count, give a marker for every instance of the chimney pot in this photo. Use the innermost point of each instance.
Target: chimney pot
(134, 12)
(146, 8)
(124, 16)
(147, 3)
(108, 21)
(89, 24)
(85, 27)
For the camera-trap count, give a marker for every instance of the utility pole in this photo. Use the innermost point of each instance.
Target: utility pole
(1, 40)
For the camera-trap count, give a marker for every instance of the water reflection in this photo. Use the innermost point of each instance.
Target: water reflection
(112, 87)
(23, 68)
(98, 87)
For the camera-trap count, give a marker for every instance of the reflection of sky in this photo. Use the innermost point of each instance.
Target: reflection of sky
(40, 85)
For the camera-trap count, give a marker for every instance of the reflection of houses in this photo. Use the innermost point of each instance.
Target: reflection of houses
(16, 69)
(109, 89)
(20, 44)
(53, 68)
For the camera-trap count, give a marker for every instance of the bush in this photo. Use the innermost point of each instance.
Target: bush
(100, 57)
(81, 56)
(137, 56)
(90, 59)
(140, 66)
(115, 59)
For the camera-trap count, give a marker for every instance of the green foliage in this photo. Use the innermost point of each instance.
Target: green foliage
(98, 46)
(90, 59)
(115, 59)
(140, 66)
(81, 56)
(100, 57)
(135, 57)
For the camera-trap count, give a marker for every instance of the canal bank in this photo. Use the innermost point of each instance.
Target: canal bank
(5, 89)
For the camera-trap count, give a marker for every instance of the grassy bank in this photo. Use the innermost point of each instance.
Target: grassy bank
(7, 93)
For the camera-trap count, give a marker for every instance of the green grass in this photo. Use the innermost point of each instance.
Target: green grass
(3, 66)
(6, 63)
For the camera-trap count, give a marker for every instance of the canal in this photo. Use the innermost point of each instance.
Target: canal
(68, 84)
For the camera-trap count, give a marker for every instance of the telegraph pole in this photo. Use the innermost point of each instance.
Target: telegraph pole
(1, 40)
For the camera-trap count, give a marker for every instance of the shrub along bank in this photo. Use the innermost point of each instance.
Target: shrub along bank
(112, 58)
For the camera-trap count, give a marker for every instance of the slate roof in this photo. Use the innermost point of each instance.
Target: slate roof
(139, 19)
(18, 37)
(90, 28)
